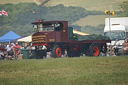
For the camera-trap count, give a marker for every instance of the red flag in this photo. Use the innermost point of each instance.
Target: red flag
(4, 13)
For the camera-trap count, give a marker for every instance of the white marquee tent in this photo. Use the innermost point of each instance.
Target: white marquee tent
(25, 39)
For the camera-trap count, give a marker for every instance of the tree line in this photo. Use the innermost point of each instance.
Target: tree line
(20, 16)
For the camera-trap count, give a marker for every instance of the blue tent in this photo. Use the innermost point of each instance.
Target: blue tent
(9, 36)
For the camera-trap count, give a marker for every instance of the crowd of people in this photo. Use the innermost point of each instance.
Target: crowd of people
(9, 51)
(12, 50)
(113, 50)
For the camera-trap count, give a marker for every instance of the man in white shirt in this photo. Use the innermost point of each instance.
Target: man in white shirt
(116, 46)
(44, 51)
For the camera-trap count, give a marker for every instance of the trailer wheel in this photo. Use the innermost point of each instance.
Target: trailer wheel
(95, 49)
(56, 51)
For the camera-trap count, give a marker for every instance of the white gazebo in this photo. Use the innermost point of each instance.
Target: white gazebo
(25, 39)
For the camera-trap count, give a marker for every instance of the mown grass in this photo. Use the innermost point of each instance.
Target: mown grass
(89, 4)
(65, 71)
(92, 20)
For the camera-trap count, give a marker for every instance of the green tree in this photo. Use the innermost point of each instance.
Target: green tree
(21, 16)
(124, 8)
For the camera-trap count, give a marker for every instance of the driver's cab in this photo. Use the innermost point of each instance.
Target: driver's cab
(54, 30)
(41, 27)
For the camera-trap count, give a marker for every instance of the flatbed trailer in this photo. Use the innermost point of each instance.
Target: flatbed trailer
(58, 37)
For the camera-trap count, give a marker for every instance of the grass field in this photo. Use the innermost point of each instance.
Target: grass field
(95, 20)
(89, 4)
(92, 20)
(65, 71)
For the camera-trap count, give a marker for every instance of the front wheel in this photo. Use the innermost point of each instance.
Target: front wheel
(94, 49)
(56, 51)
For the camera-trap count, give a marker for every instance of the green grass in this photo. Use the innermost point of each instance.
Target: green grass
(92, 20)
(89, 4)
(65, 71)
(95, 20)
(102, 5)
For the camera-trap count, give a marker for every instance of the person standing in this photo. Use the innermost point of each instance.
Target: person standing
(44, 51)
(16, 50)
(116, 46)
(29, 48)
(8, 48)
(125, 46)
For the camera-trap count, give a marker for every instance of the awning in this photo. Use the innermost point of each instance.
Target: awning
(25, 39)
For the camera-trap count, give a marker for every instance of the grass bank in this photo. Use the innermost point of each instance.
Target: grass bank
(65, 71)
(92, 20)
(101, 5)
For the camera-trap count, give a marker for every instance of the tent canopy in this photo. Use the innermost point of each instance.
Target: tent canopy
(15, 40)
(9, 36)
(25, 39)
